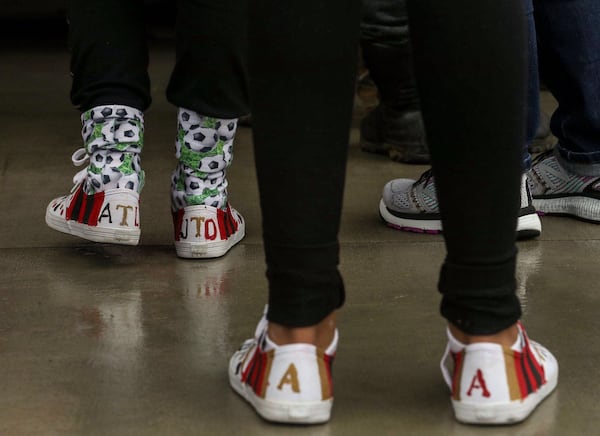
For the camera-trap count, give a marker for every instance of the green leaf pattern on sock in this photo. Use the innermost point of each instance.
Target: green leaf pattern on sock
(204, 150)
(113, 136)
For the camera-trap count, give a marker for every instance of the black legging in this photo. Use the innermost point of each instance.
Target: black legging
(470, 60)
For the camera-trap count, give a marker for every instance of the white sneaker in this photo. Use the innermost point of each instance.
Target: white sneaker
(111, 216)
(492, 384)
(203, 232)
(103, 205)
(284, 383)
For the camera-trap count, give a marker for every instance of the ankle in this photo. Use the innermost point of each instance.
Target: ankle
(321, 335)
(506, 337)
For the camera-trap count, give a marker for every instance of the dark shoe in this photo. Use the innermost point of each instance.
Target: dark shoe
(400, 135)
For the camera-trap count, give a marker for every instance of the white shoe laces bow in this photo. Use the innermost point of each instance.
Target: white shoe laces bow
(79, 158)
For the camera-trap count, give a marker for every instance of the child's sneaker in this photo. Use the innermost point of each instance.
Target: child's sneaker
(203, 232)
(556, 191)
(412, 206)
(103, 206)
(492, 384)
(284, 383)
(204, 223)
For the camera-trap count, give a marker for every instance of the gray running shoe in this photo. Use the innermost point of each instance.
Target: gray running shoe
(557, 191)
(412, 206)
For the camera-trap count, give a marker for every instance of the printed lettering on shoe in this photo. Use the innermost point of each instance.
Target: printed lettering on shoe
(103, 205)
(110, 216)
(205, 232)
(491, 384)
(287, 383)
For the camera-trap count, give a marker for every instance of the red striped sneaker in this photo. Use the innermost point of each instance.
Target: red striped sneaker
(284, 383)
(103, 205)
(492, 384)
(110, 216)
(203, 232)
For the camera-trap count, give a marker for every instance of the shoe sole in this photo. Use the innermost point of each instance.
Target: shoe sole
(288, 413)
(504, 413)
(209, 250)
(584, 208)
(528, 225)
(94, 234)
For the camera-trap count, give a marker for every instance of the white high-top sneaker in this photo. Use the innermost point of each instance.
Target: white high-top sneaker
(103, 205)
(204, 223)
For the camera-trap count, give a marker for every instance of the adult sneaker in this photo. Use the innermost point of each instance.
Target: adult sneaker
(203, 232)
(492, 384)
(557, 191)
(412, 206)
(284, 383)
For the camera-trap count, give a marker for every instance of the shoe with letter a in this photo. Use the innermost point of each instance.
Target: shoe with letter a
(284, 383)
(492, 384)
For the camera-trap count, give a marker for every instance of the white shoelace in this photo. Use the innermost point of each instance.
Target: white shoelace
(444, 368)
(80, 157)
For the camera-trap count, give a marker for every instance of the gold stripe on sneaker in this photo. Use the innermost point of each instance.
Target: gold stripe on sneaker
(511, 375)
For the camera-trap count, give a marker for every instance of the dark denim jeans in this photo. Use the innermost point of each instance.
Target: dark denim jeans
(569, 42)
(385, 22)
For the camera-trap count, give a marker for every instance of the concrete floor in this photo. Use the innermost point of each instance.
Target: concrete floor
(98, 339)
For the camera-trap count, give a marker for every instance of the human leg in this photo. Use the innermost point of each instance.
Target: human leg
(412, 205)
(395, 126)
(567, 182)
(109, 56)
(480, 88)
(111, 88)
(209, 86)
(300, 169)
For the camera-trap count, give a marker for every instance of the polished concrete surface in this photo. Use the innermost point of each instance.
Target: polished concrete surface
(108, 340)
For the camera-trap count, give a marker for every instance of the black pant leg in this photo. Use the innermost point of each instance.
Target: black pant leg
(109, 56)
(210, 74)
(302, 73)
(471, 68)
